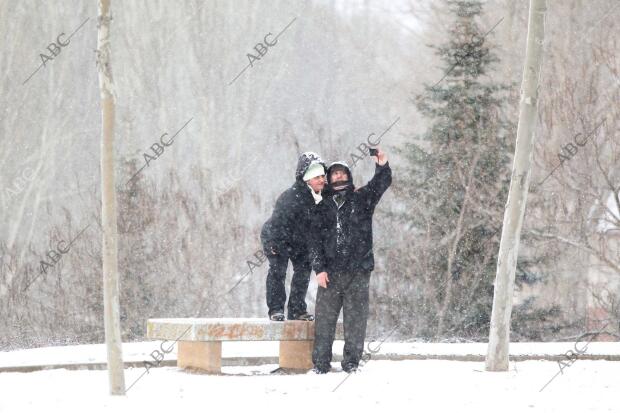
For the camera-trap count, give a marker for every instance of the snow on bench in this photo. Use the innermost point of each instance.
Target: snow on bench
(200, 339)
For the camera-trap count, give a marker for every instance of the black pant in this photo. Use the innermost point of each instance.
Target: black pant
(276, 277)
(349, 291)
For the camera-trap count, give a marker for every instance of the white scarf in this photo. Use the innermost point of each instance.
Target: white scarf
(317, 197)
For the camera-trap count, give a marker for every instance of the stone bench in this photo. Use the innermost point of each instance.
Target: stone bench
(200, 339)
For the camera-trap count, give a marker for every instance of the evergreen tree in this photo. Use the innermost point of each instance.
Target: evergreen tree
(455, 188)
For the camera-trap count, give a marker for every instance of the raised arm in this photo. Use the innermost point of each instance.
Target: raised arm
(380, 182)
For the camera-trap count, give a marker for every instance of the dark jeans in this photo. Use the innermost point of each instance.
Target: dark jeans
(276, 277)
(349, 291)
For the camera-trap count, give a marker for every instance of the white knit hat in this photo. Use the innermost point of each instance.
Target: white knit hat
(315, 169)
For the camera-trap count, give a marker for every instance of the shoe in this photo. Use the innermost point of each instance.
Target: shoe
(277, 316)
(349, 368)
(321, 370)
(303, 316)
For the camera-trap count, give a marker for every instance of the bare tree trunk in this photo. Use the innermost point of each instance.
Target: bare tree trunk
(499, 337)
(108, 207)
(455, 242)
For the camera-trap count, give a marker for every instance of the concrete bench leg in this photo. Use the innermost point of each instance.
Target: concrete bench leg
(202, 355)
(296, 354)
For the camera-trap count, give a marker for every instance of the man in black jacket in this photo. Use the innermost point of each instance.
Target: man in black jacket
(285, 236)
(342, 258)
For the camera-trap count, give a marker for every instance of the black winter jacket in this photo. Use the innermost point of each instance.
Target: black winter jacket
(289, 226)
(352, 222)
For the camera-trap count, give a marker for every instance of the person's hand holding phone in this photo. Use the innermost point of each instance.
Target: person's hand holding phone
(379, 154)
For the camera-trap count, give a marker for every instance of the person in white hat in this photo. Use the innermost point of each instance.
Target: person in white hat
(285, 237)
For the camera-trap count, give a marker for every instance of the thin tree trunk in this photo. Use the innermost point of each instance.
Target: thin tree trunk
(455, 243)
(499, 336)
(112, 323)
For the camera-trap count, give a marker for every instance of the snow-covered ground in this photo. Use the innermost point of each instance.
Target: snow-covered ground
(425, 386)
(381, 385)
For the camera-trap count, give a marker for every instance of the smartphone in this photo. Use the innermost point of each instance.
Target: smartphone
(373, 152)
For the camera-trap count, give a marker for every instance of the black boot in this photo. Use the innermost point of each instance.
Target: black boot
(277, 316)
(303, 316)
(321, 369)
